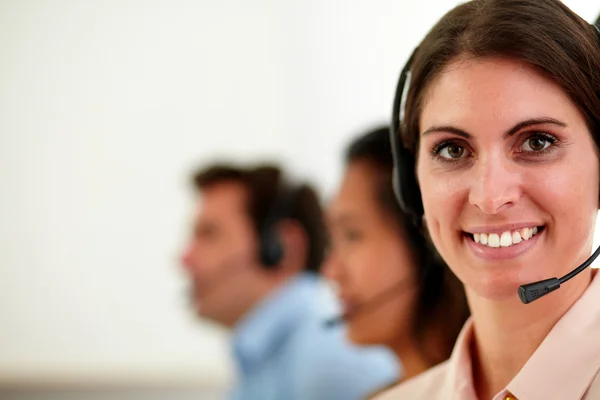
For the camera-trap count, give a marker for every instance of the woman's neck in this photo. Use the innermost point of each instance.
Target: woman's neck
(506, 334)
(414, 361)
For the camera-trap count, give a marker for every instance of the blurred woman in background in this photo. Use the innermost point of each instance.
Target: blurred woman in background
(394, 288)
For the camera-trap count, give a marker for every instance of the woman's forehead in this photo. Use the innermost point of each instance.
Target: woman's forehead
(477, 92)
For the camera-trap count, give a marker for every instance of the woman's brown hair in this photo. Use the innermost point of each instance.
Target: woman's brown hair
(544, 34)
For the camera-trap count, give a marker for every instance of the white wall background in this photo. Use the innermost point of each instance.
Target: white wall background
(105, 109)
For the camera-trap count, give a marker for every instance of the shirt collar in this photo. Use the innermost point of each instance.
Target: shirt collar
(562, 367)
(459, 380)
(565, 364)
(264, 329)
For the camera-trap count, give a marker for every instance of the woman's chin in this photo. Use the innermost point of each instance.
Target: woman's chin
(358, 338)
(501, 289)
(361, 336)
(499, 293)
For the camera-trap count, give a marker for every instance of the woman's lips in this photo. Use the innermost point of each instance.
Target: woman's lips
(501, 247)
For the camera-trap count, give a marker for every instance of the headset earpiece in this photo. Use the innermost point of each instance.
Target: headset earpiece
(396, 186)
(404, 177)
(271, 249)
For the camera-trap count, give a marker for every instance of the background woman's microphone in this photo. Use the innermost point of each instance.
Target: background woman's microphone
(374, 302)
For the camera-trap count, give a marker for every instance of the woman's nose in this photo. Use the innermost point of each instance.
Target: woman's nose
(495, 185)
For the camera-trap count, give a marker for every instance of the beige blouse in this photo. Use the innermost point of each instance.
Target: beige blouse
(566, 366)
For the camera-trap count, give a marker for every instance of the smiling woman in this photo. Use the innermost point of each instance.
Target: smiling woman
(502, 121)
(506, 168)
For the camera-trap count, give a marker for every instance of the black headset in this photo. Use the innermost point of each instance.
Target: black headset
(404, 178)
(271, 249)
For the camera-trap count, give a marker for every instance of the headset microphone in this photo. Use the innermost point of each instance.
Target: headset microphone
(375, 301)
(335, 321)
(535, 290)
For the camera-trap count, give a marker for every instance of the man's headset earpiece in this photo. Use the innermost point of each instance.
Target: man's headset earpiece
(404, 177)
(271, 247)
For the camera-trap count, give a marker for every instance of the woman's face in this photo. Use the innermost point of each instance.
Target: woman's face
(508, 174)
(369, 259)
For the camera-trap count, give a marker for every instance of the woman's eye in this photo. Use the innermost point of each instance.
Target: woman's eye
(451, 151)
(536, 144)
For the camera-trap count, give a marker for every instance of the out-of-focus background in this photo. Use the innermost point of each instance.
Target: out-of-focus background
(106, 107)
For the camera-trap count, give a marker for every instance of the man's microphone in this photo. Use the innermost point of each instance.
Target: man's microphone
(533, 291)
(376, 301)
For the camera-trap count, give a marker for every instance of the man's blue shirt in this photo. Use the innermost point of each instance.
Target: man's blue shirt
(284, 352)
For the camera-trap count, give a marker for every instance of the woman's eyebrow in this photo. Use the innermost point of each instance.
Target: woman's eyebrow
(519, 126)
(447, 129)
(534, 121)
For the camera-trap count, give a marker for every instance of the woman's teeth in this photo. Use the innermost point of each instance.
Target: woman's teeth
(505, 239)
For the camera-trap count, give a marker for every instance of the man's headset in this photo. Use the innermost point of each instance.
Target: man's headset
(271, 249)
(408, 192)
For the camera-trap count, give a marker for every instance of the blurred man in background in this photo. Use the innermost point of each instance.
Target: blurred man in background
(254, 258)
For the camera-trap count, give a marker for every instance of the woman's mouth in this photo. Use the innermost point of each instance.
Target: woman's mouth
(506, 238)
(503, 244)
